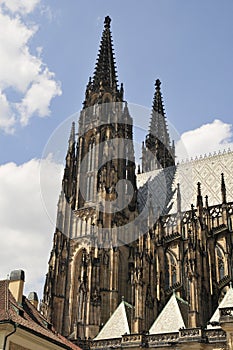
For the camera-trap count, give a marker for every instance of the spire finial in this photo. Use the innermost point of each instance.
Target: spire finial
(107, 22)
(157, 83)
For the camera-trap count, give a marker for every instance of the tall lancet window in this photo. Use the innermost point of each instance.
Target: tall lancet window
(170, 270)
(220, 262)
(90, 188)
(89, 157)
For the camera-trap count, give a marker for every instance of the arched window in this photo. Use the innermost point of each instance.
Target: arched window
(173, 270)
(89, 157)
(220, 262)
(170, 270)
(90, 188)
(167, 276)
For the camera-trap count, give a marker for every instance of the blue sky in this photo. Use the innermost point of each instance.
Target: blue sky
(48, 51)
(187, 44)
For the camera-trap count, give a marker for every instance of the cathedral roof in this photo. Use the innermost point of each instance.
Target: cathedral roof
(117, 325)
(173, 317)
(227, 301)
(207, 170)
(27, 317)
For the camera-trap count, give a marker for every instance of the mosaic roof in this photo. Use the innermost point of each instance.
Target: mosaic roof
(160, 186)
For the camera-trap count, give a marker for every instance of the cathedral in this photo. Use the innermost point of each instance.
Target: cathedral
(142, 254)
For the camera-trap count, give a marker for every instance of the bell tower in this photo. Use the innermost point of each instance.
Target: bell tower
(88, 267)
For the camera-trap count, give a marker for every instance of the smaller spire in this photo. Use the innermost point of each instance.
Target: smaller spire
(223, 189)
(158, 140)
(178, 198)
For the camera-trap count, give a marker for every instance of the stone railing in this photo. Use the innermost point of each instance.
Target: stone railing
(129, 340)
(215, 335)
(141, 340)
(162, 339)
(191, 334)
(114, 343)
(226, 315)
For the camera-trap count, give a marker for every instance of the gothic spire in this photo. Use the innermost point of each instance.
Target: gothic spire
(158, 152)
(105, 70)
(158, 124)
(105, 76)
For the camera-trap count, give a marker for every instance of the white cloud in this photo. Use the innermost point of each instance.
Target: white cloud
(208, 138)
(20, 6)
(20, 71)
(7, 119)
(38, 97)
(26, 229)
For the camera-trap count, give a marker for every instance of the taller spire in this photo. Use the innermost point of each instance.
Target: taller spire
(105, 76)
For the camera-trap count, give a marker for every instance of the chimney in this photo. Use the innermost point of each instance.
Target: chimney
(33, 298)
(16, 284)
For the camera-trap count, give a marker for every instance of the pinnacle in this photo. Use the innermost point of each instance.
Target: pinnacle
(107, 22)
(72, 136)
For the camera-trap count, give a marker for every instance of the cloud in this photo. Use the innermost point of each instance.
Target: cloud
(25, 74)
(7, 119)
(38, 97)
(208, 138)
(22, 6)
(26, 229)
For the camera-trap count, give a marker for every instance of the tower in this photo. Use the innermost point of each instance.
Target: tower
(88, 267)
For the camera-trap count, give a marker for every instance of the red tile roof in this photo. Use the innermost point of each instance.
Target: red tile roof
(28, 317)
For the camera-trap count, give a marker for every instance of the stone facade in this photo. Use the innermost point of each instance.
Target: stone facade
(143, 237)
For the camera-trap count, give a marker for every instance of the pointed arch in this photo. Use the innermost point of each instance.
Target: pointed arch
(220, 262)
(170, 269)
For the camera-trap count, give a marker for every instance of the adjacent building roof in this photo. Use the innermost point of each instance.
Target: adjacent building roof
(117, 325)
(226, 302)
(26, 316)
(173, 317)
